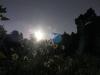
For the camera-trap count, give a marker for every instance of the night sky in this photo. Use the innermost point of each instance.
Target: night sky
(49, 15)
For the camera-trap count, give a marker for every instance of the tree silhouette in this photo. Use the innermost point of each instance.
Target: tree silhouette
(22, 56)
(2, 12)
(84, 19)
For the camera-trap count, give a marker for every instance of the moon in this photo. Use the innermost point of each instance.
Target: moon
(39, 35)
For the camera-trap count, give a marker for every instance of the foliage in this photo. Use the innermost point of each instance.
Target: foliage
(20, 56)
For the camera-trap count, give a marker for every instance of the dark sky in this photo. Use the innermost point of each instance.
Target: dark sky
(50, 15)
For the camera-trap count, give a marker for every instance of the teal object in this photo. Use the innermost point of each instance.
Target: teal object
(57, 38)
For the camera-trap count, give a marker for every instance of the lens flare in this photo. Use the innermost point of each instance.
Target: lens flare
(39, 35)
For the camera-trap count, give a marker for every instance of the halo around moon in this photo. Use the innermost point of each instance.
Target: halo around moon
(39, 35)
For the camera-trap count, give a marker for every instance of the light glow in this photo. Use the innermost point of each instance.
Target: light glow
(39, 35)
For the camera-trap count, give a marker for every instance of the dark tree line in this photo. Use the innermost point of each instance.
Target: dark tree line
(72, 56)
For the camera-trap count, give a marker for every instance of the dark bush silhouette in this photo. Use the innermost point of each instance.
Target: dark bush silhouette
(76, 54)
